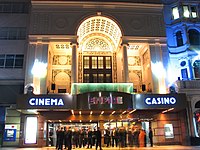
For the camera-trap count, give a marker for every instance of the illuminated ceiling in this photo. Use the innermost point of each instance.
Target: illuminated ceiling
(99, 33)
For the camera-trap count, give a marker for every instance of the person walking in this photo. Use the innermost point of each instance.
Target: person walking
(151, 136)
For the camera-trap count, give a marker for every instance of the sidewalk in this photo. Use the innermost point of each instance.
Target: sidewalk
(173, 147)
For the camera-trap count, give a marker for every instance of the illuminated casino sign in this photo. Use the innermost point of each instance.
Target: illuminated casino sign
(105, 100)
(160, 101)
(46, 102)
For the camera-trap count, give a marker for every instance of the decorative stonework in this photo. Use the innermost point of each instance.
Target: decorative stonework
(134, 61)
(62, 60)
(97, 44)
(97, 53)
(62, 46)
(100, 24)
(64, 72)
(114, 67)
(80, 67)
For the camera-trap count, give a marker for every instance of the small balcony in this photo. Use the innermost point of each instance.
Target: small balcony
(188, 86)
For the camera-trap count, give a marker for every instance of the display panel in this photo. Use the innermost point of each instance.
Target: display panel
(31, 130)
(169, 133)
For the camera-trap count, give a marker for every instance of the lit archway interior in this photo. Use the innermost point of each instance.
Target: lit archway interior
(99, 34)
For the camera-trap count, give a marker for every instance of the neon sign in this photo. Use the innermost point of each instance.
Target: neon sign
(161, 101)
(105, 100)
(46, 102)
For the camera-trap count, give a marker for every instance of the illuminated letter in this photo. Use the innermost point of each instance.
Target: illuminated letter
(172, 100)
(40, 101)
(32, 101)
(159, 101)
(147, 101)
(153, 101)
(47, 101)
(60, 102)
(54, 102)
(166, 100)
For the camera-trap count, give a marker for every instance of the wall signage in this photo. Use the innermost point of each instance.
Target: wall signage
(160, 101)
(10, 133)
(46, 102)
(105, 100)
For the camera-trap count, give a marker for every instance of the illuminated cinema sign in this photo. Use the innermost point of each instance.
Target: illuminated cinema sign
(160, 101)
(105, 100)
(46, 102)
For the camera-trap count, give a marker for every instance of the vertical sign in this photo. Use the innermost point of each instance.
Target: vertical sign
(31, 130)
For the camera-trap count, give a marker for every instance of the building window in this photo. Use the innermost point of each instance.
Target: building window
(184, 74)
(97, 69)
(186, 12)
(175, 13)
(11, 61)
(196, 66)
(86, 62)
(7, 7)
(193, 12)
(179, 38)
(194, 37)
(12, 33)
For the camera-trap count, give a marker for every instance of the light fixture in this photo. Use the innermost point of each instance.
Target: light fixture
(170, 109)
(72, 111)
(79, 112)
(102, 112)
(113, 112)
(70, 121)
(91, 112)
(132, 111)
(124, 112)
(80, 120)
(60, 121)
(90, 120)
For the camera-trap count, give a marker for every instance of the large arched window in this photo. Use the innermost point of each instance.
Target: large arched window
(194, 37)
(179, 38)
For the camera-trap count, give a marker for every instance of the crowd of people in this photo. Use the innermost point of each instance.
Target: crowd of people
(87, 138)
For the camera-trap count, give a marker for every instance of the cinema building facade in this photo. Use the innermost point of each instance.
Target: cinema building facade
(88, 64)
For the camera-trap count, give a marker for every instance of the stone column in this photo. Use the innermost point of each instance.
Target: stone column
(125, 63)
(74, 63)
(37, 52)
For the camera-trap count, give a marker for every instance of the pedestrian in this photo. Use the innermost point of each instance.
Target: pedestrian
(98, 138)
(142, 138)
(89, 138)
(61, 138)
(69, 138)
(151, 136)
(57, 136)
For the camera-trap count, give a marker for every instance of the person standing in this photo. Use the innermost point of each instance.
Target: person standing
(151, 136)
(57, 136)
(69, 138)
(142, 138)
(98, 138)
(61, 138)
(89, 138)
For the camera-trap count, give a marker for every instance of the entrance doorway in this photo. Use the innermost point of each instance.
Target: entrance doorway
(74, 127)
